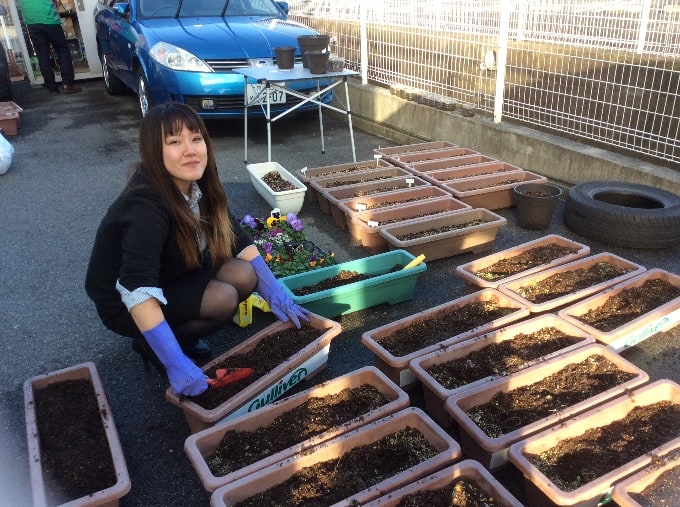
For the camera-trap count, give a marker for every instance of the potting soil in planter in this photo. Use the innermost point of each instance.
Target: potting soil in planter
(443, 325)
(439, 230)
(664, 491)
(277, 183)
(271, 351)
(317, 415)
(344, 277)
(331, 481)
(500, 359)
(576, 461)
(524, 261)
(460, 493)
(567, 282)
(630, 304)
(508, 411)
(74, 449)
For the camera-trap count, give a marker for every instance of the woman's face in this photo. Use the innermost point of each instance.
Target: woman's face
(185, 156)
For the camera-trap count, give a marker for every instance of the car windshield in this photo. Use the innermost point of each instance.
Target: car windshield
(193, 8)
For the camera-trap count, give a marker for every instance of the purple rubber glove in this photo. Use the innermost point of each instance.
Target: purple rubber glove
(185, 377)
(279, 301)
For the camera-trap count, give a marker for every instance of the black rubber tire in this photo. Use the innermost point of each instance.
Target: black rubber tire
(112, 84)
(628, 215)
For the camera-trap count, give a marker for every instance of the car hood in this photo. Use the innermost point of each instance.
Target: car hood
(234, 38)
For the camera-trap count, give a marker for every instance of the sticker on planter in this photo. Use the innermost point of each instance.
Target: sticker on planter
(661, 324)
(373, 223)
(274, 391)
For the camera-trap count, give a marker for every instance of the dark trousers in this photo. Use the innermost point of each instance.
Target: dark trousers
(44, 36)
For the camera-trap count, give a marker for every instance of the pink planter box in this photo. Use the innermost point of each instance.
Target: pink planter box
(468, 470)
(474, 238)
(474, 283)
(492, 452)
(108, 497)
(512, 288)
(407, 159)
(491, 192)
(303, 364)
(308, 175)
(201, 446)
(366, 226)
(440, 172)
(660, 319)
(541, 491)
(397, 367)
(448, 451)
(414, 148)
(435, 394)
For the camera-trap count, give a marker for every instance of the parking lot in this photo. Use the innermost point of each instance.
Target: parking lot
(71, 157)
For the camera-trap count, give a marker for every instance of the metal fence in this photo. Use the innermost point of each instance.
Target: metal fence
(605, 71)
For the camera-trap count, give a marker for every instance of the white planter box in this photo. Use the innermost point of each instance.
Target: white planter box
(288, 201)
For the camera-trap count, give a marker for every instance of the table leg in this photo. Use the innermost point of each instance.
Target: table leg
(349, 121)
(245, 119)
(323, 141)
(269, 125)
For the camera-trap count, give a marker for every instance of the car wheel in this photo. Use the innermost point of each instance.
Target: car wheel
(143, 94)
(113, 85)
(628, 215)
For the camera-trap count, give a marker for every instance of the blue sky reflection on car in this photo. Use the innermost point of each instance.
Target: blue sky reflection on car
(186, 50)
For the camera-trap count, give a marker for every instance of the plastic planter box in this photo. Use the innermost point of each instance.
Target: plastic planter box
(414, 148)
(448, 452)
(387, 287)
(440, 172)
(201, 446)
(366, 226)
(397, 367)
(435, 394)
(490, 192)
(288, 201)
(542, 491)
(474, 238)
(473, 282)
(660, 319)
(468, 470)
(492, 452)
(303, 364)
(462, 162)
(107, 497)
(407, 160)
(512, 288)
(10, 118)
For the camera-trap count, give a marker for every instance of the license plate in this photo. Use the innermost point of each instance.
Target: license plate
(276, 96)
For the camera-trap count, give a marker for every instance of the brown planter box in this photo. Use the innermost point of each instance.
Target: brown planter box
(397, 367)
(201, 446)
(366, 226)
(329, 200)
(512, 288)
(541, 491)
(270, 476)
(10, 118)
(414, 148)
(468, 470)
(492, 452)
(307, 175)
(438, 173)
(435, 394)
(303, 364)
(462, 162)
(475, 238)
(490, 192)
(660, 319)
(406, 160)
(637, 484)
(107, 497)
(474, 283)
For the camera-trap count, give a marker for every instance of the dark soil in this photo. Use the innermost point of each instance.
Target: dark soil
(331, 481)
(576, 461)
(384, 204)
(630, 304)
(665, 490)
(277, 183)
(443, 325)
(270, 352)
(508, 411)
(344, 277)
(75, 454)
(460, 493)
(379, 190)
(364, 179)
(438, 230)
(499, 184)
(346, 170)
(524, 261)
(410, 217)
(501, 359)
(569, 282)
(317, 415)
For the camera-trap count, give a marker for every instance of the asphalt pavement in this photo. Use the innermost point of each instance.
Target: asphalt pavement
(71, 158)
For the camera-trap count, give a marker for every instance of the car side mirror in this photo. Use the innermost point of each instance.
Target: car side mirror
(122, 9)
(284, 6)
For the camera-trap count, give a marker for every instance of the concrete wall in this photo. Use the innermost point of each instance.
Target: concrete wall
(377, 111)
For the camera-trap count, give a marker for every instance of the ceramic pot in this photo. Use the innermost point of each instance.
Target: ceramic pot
(317, 61)
(535, 203)
(285, 57)
(307, 43)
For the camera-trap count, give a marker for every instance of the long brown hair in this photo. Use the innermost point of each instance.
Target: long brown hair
(160, 122)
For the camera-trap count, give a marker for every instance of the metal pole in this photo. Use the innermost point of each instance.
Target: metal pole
(269, 125)
(501, 59)
(245, 119)
(318, 90)
(644, 25)
(349, 120)
(363, 35)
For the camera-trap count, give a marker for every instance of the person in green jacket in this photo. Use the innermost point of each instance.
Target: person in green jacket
(44, 27)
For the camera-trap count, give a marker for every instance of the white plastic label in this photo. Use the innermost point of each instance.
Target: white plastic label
(361, 206)
(373, 223)
(410, 181)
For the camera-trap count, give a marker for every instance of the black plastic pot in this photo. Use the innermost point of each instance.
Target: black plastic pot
(535, 204)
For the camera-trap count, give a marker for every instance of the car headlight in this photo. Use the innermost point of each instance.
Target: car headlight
(177, 58)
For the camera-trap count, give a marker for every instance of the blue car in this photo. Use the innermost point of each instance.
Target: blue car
(186, 50)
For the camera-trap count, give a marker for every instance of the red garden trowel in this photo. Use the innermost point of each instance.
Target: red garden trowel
(226, 376)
